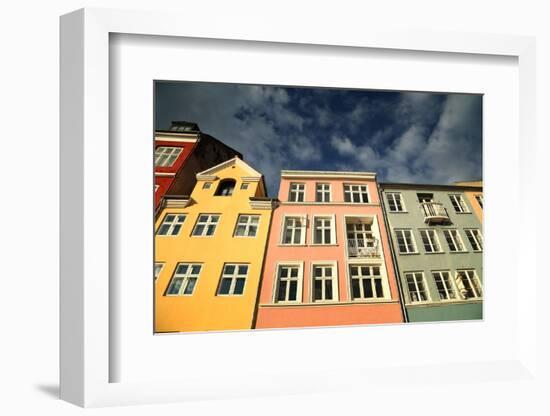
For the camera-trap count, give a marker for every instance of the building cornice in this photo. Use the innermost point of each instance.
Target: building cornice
(289, 174)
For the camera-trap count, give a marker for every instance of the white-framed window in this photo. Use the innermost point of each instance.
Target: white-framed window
(171, 224)
(184, 280)
(324, 230)
(444, 285)
(206, 225)
(233, 279)
(366, 281)
(454, 241)
(289, 283)
(244, 185)
(247, 226)
(430, 241)
(479, 199)
(322, 192)
(325, 283)
(297, 192)
(207, 185)
(395, 202)
(405, 241)
(468, 284)
(416, 286)
(458, 203)
(358, 194)
(294, 230)
(158, 269)
(475, 238)
(165, 156)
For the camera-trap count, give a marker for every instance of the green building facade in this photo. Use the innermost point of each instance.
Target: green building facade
(437, 246)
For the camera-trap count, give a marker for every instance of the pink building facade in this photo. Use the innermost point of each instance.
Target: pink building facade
(328, 260)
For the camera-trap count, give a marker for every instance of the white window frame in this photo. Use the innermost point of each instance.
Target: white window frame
(448, 286)
(206, 224)
(413, 242)
(303, 228)
(383, 281)
(328, 264)
(394, 200)
(172, 224)
(474, 234)
(332, 230)
(299, 284)
(295, 190)
(424, 282)
(470, 280)
(349, 188)
(455, 240)
(185, 277)
(247, 225)
(479, 199)
(458, 201)
(233, 277)
(171, 152)
(324, 189)
(432, 241)
(158, 269)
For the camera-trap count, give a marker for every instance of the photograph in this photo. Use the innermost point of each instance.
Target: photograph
(279, 207)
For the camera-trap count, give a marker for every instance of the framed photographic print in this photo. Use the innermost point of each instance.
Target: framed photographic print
(279, 214)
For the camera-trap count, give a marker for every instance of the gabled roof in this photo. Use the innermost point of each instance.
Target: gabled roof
(211, 172)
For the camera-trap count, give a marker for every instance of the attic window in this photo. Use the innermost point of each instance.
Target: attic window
(226, 187)
(244, 185)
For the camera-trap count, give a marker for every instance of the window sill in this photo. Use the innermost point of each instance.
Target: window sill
(444, 302)
(292, 245)
(409, 254)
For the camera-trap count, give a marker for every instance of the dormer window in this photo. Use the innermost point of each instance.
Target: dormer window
(226, 187)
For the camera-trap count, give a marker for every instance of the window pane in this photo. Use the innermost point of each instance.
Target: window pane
(328, 289)
(282, 290)
(225, 286)
(378, 286)
(240, 230)
(318, 291)
(229, 269)
(182, 269)
(367, 288)
(283, 272)
(163, 230)
(243, 269)
(195, 269)
(294, 272)
(190, 285)
(175, 286)
(293, 290)
(239, 286)
(198, 229)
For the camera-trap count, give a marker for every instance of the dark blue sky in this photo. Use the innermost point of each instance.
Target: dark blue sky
(403, 137)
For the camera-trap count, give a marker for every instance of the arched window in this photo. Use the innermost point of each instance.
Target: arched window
(225, 188)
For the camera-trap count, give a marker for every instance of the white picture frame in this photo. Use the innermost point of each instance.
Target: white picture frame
(86, 293)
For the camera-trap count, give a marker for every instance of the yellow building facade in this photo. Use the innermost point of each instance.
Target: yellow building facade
(475, 196)
(209, 251)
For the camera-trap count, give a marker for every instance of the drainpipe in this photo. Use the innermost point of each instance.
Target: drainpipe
(393, 255)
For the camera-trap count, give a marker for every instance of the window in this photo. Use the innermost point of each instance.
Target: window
(356, 193)
(430, 241)
(225, 188)
(166, 156)
(361, 241)
(247, 226)
(423, 197)
(294, 231)
(454, 241)
(479, 199)
(158, 268)
(244, 185)
(417, 287)
(366, 282)
(297, 192)
(405, 241)
(475, 239)
(233, 279)
(156, 188)
(289, 283)
(458, 203)
(323, 232)
(468, 284)
(322, 192)
(207, 185)
(184, 280)
(171, 224)
(324, 283)
(206, 225)
(395, 202)
(444, 285)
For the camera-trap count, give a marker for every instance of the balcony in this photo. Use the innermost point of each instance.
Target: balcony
(434, 213)
(363, 248)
